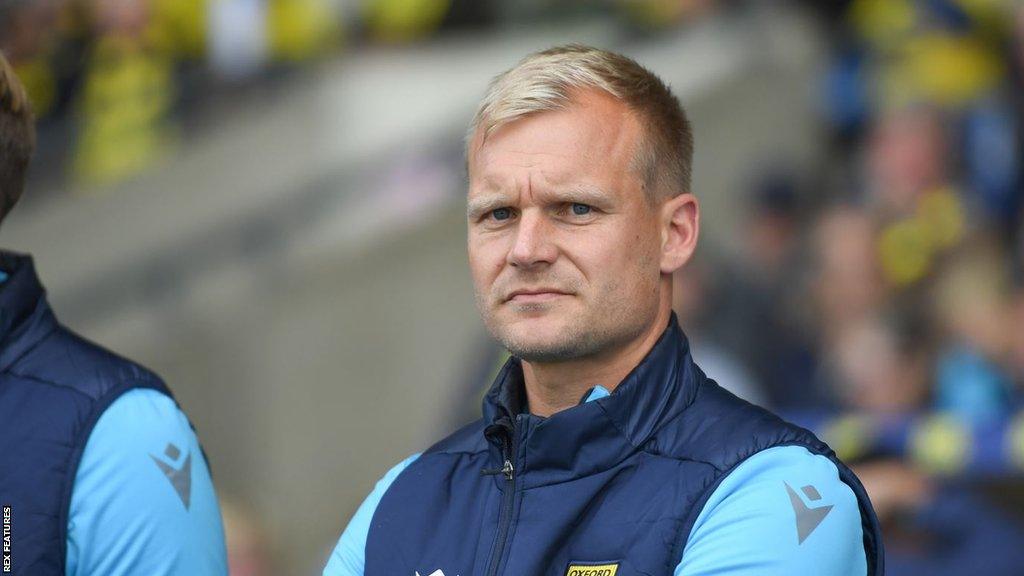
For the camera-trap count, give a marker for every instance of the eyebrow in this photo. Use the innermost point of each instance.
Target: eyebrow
(482, 205)
(582, 193)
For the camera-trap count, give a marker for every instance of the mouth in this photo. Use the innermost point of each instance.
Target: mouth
(535, 295)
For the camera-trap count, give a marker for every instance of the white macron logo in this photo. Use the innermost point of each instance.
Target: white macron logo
(434, 573)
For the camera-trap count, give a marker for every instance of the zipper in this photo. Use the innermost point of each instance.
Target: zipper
(508, 498)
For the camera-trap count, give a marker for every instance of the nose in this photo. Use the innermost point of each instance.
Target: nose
(533, 246)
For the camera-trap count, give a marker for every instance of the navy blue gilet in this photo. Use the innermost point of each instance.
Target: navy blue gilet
(54, 386)
(620, 479)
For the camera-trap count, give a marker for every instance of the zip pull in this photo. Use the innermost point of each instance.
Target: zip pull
(503, 429)
(506, 469)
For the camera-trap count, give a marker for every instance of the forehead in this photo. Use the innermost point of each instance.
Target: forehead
(592, 139)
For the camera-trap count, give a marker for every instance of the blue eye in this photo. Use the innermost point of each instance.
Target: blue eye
(502, 214)
(580, 209)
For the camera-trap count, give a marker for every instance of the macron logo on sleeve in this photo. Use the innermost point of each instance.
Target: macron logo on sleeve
(807, 518)
(179, 477)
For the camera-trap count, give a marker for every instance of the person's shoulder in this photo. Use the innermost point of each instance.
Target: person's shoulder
(722, 430)
(466, 440)
(143, 469)
(143, 431)
(789, 466)
(784, 510)
(71, 361)
(349, 555)
(144, 418)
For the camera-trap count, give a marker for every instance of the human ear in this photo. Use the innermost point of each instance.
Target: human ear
(680, 227)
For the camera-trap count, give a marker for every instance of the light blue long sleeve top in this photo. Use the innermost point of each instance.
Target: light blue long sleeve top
(143, 502)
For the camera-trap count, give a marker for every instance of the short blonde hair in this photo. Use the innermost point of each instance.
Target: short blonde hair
(546, 80)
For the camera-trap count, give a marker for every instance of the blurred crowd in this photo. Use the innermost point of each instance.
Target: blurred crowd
(117, 84)
(114, 83)
(880, 299)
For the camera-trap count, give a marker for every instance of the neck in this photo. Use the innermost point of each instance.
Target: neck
(556, 386)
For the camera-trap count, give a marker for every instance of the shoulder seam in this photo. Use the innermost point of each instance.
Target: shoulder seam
(117, 384)
(99, 406)
(50, 382)
(700, 503)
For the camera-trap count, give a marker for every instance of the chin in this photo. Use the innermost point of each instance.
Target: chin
(538, 339)
(543, 351)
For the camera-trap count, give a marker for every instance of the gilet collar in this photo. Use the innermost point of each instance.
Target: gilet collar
(25, 315)
(593, 436)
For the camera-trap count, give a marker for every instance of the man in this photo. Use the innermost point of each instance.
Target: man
(603, 449)
(100, 471)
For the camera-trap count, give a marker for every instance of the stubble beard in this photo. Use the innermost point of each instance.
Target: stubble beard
(582, 336)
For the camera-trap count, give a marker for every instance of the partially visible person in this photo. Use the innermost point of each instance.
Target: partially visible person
(690, 294)
(101, 473)
(1016, 353)
(847, 284)
(764, 288)
(882, 367)
(974, 307)
(934, 526)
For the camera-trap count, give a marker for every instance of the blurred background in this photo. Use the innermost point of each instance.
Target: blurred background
(263, 200)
